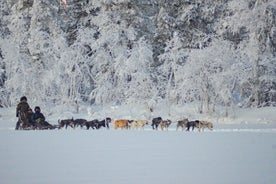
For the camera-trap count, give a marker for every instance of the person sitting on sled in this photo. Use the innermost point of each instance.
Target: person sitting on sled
(38, 119)
(22, 110)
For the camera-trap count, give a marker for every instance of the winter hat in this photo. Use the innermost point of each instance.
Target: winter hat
(23, 98)
(37, 108)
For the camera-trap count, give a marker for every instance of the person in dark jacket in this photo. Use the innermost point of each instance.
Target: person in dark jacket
(29, 116)
(38, 119)
(22, 110)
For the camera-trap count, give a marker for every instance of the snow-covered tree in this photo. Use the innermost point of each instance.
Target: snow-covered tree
(120, 67)
(215, 73)
(212, 52)
(251, 27)
(168, 76)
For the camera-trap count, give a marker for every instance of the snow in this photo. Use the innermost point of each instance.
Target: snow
(241, 150)
(154, 58)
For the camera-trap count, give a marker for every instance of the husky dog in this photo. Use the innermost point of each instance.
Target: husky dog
(137, 124)
(92, 124)
(164, 124)
(103, 123)
(156, 122)
(182, 123)
(66, 123)
(121, 123)
(192, 124)
(205, 124)
(79, 122)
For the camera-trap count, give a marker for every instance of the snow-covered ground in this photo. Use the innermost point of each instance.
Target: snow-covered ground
(238, 150)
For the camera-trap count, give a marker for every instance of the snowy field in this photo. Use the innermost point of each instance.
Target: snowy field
(238, 152)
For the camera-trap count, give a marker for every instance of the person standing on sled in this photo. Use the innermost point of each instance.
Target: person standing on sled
(22, 113)
(38, 119)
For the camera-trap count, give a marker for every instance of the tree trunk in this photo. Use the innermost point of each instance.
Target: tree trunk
(256, 84)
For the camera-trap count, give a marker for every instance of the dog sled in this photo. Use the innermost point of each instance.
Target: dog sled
(27, 125)
(21, 126)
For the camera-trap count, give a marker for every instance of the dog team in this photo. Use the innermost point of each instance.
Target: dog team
(184, 124)
(28, 120)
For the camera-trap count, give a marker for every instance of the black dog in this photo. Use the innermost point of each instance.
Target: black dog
(192, 124)
(156, 122)
(91, 124)
(96, 124)
(103, 123)
(79, 122)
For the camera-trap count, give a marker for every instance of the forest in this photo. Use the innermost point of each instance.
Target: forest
(210, 53)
